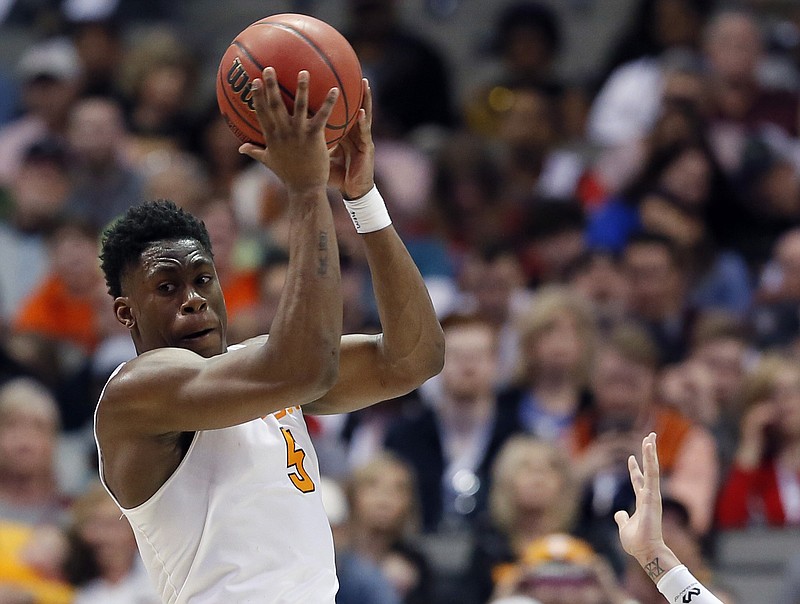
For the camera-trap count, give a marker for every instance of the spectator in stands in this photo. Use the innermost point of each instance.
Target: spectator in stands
(624, 409)
(66, 305)
(536, 157)
(50, 72)
(110, 543)
(408, 74)
(361, 581)
(559, 568)
(175, 175)
(384, 509)
(656, 26)
(29, 425)
(526, 41)
(37, 196)
(104, 183)
(558, 337)
(100, 46)
(550, 239)
(767, 203)
(706, 386)
(493, 286)
(158, 80)
(763, 480)
(217, 147)
(31, 564)
(673, 197)
(238, 281)
(467, 182)
(734, 48)
(597, 276)
(681, 120)
(658, 298)
(636, 96)
(670, 196)
(451, 443)
(775, 318)
(256, 318)
(533, 493)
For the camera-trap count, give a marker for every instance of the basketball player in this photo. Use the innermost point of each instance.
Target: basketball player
(204, 446)
(641, 535)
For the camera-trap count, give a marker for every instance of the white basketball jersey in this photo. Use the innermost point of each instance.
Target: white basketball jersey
(241, 519)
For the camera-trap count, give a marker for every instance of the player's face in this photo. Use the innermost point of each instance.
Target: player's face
(172, 298)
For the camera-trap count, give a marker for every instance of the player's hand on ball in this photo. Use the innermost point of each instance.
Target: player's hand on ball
(297, 151)
(352, 168)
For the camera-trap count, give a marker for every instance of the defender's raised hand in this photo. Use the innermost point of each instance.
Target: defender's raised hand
(296, 151)
(641, 534)
(642, 538)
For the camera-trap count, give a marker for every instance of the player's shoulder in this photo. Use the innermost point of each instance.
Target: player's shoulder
(144, 372)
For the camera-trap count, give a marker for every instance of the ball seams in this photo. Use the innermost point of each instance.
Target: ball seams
(324, 58)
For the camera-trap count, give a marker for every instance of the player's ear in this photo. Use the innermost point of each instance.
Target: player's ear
(122, 311)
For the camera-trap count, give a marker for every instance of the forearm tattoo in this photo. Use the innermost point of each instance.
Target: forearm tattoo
(322, 247)
(653, 569)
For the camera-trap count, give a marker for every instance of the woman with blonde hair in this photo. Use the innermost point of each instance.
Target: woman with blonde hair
(557, 337)
(763, 484)
(384, 516)
(533, 493)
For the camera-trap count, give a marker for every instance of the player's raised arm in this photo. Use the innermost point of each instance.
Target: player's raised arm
(410, 348)
(642, 538)
(170, 389)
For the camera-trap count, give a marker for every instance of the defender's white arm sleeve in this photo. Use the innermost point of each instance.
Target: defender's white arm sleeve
(679, 586)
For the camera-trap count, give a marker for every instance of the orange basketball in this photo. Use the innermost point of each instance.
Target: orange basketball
(289, 43)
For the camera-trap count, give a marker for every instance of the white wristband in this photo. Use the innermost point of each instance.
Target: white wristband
(679, 586)
(368, 212)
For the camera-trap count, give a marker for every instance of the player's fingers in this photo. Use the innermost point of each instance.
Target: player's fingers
(363, 127)
(273, 108)
(272, 90)
(366, 103)
(321, 117)
(637, 478)
(650, 463)
(253, 151)
(301, 96)
(346, 145)
(621, 518)
(260, 104)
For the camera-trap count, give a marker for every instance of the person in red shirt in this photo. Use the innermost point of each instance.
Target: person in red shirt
(763, 484)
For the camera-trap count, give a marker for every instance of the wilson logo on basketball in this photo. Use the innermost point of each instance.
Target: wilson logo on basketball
(239, 82)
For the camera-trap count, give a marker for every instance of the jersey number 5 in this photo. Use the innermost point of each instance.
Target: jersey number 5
(295, 457)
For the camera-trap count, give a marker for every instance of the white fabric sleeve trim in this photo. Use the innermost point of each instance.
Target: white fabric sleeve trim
(368, 212)
(680, 587)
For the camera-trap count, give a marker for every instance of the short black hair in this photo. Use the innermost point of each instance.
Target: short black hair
(529, 15)
(643, 238)
(141, 226)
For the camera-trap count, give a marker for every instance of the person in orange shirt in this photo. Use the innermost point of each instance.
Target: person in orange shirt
(66, 305)
(240, 283)
(624, 410)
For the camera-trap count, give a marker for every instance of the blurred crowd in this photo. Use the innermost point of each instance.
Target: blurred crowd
(608, 257)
